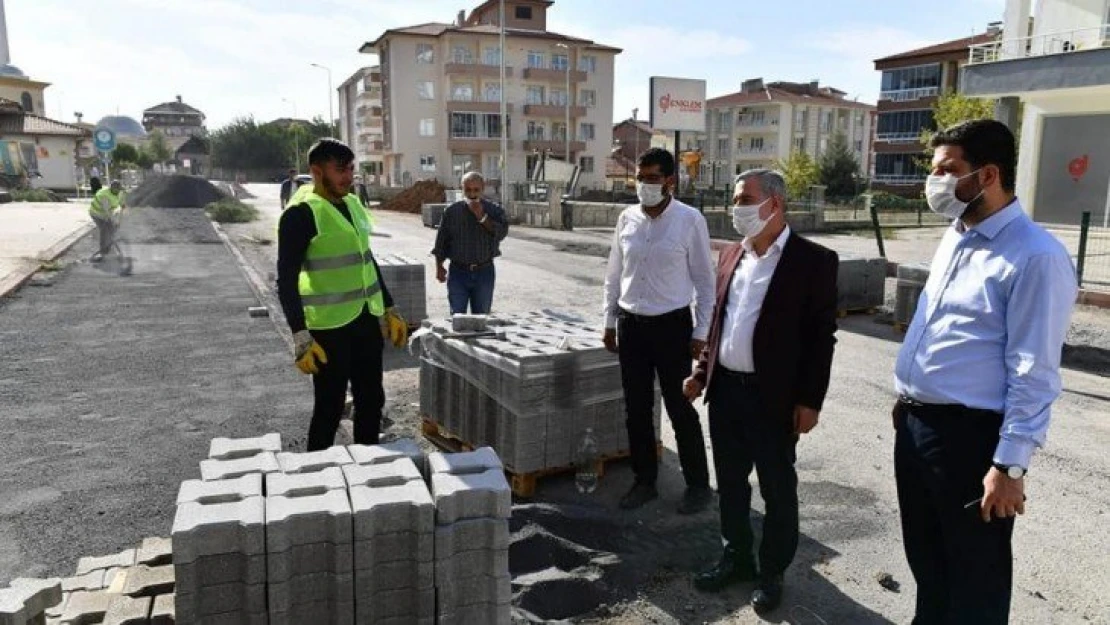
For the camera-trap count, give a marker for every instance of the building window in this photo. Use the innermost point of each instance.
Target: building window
(462, 93)
(800, 144)
(587, 132)
(587, 98)
(559, 62)
(723, 121)
(899, 168)
(536, 131)
(492, 56)
(27, 103)
(911, 83)
(533, 95)
(586, 164)
(475, 125)
(826, 121)
(428, 162)
(460, 164)
(536, 60)
(858, 146)
(558, 131)
(904, 125)
(722, 147)
(587, 64)
(492, 92)
(428, 127)
(425, 53)
(493, 165)
(801, 120)
(756, 144)
(523, 13)
(558, 98)
(461, 55)
(426, 90)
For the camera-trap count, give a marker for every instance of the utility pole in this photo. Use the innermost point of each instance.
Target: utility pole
(566, 106)
(296, 135)
(504, 108)
(636, 129)
(331, 108)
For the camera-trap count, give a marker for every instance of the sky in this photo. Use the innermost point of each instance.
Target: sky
(234, 58)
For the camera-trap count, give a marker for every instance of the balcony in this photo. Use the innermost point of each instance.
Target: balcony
(898, 137)
(768, 124)
(555, 146)
(476, 68)
(370, 96)
(1061, 60)
(553, 75)
(764, 151)
(476, 105)
(907, 95)
(553, 110)
(898, 179)
(478, 143)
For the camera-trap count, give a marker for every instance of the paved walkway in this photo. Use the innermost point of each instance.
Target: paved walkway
(34, 232)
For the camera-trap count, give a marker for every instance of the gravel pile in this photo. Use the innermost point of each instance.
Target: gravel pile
(177, 191)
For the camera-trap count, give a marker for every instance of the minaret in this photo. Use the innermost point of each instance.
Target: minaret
(5, 54)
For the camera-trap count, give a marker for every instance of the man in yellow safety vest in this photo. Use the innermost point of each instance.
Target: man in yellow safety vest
(104, 210)
(337, 306)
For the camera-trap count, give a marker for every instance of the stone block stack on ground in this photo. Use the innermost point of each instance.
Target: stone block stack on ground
(908, 288)
(405, 278)
(860, 284)
(473, 504)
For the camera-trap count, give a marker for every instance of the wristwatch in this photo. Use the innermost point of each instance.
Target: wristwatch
(1013, 471)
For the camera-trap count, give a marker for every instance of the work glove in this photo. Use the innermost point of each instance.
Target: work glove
(394, 328)
(308, 354)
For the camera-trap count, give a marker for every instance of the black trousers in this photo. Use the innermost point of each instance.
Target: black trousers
(963, 566)
(743, 436)
(106, 229)
(660, 345)
(354, 357)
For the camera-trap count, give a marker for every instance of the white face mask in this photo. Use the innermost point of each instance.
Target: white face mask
(940, 193)
(746, 219)
(649, 194)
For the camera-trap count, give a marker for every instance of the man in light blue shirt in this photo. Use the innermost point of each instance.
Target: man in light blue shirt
(976, 377)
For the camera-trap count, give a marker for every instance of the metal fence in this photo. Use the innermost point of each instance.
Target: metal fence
(1093, 260)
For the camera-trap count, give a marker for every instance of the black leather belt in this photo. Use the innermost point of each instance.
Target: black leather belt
(650, 319)
(929, 410)
(743, 378)
(472, 266)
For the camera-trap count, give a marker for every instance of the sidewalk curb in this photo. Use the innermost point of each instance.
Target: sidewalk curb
(15, 280)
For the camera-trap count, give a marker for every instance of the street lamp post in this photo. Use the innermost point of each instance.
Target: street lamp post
(296, 135)
(331, 110)
(566, 128)
(636, 134)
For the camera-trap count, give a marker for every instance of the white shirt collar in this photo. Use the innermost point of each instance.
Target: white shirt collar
(779, 244)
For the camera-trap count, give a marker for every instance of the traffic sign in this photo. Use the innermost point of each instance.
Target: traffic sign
(104, 139)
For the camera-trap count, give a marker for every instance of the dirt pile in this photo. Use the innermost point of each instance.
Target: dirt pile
(411, 199)
(175, 191)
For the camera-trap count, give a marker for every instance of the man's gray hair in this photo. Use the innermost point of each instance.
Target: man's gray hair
(473, 175)
(770, 181)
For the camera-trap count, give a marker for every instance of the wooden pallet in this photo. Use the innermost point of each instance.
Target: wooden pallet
(523, 484)
(840, 314)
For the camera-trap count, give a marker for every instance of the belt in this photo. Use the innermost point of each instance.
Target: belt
(930, 410)
(472, 266)
(743, 378)
(652, 319)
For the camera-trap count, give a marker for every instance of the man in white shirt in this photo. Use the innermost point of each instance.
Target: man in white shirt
(658, 263)
(766, 368)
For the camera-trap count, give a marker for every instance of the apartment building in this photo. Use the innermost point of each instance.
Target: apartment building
(441, 96)
(911, 83)
(176, 120)
(361, 119)
(764, 123)
(1056, 67)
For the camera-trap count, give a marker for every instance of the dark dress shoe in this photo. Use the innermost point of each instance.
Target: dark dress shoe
(696, 499)
(638, 495)
(768, 594)
(733, 568)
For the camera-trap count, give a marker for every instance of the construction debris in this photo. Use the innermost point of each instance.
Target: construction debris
(413, 198)
(176, 191)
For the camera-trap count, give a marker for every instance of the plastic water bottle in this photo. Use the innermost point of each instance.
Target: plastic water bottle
(586, 459)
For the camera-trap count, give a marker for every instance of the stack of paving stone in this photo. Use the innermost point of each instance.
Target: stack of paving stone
(393, 542)
(472, 507)
(26, 601)
(530, 392)
(404, 277)
(860, 283)
(432, 214)
(907, 291)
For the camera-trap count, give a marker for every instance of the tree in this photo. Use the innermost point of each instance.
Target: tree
(839, 168)
(800, 172)
(157, 148)
(246, 144)
(125, 153)
(952, 108)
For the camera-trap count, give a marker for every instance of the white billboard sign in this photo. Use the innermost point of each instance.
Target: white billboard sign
(677, 104)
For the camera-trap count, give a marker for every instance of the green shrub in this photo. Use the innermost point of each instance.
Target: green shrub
(33, 195)
(231, 211)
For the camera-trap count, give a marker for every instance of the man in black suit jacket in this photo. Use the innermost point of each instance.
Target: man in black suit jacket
(766, 368)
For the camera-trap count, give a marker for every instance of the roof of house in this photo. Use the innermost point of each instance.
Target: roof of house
(175, 107)
(956, 45)
(20, 123)
(194, 145)
(490, 3)
(619, 166)
(359, 74)
(642, 125)
(771, 93)
(435, 29)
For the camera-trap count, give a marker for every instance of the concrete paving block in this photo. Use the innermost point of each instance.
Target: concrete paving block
(122, 559)
(114, 580)
(220, 599)
(229, 618)
(55, 611)
(85, 607)
(477, 461)
(471, 496)
(384, 548)
(148, 581)
(307, 589)
(476, 562)
(391, 509)
(126, 610)
(407, 620)
(300, 484)
(155, 551)
(471, 535)
(485, 613)
(264, 462)
(319, 613)
(392, 473)
(407, 603)
(395, 575)
(190, 578)
(471, 590)
(308, 559)
(212, 529)
(304, 520)
(388, 452)
(163, 612)
(215, 491)
(93, 580)
(28, 598)
(236, 448)
(312, 461)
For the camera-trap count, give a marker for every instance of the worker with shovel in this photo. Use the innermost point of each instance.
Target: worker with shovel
(337, 306)
(105, 212)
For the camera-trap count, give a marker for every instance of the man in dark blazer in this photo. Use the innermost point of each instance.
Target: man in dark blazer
(766, 367)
